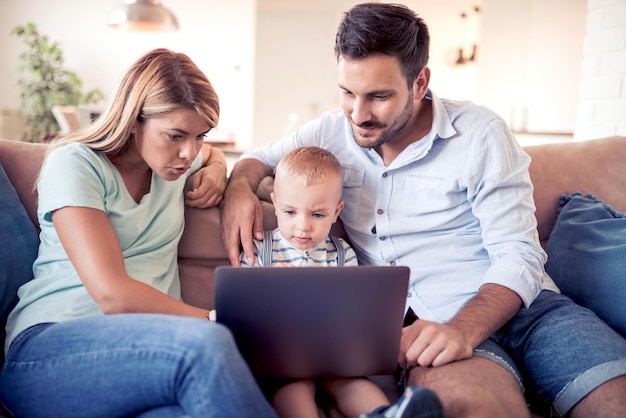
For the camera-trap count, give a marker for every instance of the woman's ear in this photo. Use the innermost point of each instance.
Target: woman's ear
(133, 130)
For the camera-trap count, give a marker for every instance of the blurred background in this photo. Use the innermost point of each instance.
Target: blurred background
(554, 69)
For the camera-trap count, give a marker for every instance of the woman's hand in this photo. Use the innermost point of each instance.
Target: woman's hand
(208, 185)
(209, 182)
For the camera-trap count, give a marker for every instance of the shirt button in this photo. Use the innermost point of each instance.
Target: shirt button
(408, 295)
(374, 230)
(382, 238)
(392, 264)
(385, 174)
(380, 211)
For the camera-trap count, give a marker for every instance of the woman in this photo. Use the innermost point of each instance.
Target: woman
(101, 330)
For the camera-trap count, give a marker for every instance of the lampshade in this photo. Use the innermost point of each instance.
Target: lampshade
(147, 15)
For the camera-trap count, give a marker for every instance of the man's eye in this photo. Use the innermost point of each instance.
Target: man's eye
(200, 137)
(174, 137)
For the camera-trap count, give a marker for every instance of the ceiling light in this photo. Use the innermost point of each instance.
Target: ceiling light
(148, 15)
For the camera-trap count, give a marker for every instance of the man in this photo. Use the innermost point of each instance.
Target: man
(443, 187)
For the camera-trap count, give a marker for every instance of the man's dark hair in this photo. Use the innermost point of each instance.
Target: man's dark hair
(390, 29)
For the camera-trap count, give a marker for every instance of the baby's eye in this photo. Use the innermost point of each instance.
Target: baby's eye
(290, 212)
(319, 215)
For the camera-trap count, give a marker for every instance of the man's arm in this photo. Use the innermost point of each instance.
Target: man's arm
(242, 216)
(427, 343)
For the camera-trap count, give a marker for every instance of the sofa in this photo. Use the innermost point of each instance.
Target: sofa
(596, 167)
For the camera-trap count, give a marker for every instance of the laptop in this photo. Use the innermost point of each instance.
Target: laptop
(307, 322)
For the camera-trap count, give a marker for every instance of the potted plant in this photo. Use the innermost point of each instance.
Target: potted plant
(45, 83)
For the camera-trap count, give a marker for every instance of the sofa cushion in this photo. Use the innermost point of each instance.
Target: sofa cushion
(587, 256)
(18, 250)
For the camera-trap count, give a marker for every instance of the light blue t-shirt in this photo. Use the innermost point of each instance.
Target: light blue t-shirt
(148, 233)
(456, 207)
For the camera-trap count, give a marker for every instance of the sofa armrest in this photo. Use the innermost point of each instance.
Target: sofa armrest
(22, 161)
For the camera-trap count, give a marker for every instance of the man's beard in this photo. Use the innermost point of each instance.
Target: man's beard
(387, 134)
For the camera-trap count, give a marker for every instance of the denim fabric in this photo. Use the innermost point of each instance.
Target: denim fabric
(18, 249)
(129, 365)
(489, 350)
(563, 350)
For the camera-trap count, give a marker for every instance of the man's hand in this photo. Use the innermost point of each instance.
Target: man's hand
(208, 185)
(427, 343)
(242, 215)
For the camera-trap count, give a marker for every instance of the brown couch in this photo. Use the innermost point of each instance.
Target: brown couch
(595, 166)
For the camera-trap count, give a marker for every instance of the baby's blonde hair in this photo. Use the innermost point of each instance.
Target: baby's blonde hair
(309, 165)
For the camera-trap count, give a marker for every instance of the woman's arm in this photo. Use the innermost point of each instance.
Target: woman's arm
(94, 250)
(209, 182)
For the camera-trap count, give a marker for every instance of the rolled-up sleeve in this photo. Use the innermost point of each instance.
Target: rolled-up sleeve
(501, 195)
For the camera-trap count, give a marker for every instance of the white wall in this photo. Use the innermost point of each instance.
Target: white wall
(602, 107)
(296, 77)
(217, 35)
(284, 74)
(527, 68)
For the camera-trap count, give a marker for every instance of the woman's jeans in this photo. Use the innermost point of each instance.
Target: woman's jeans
(129, 365)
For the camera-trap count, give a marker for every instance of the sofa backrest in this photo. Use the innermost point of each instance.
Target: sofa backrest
(595, 167)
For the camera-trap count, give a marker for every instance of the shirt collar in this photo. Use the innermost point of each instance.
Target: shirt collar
(442, 126)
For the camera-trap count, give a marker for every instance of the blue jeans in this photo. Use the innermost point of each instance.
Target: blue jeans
(563, 351)
(129, 365)
(558, 350)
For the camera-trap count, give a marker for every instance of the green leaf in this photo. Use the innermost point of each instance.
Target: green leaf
(44, 82)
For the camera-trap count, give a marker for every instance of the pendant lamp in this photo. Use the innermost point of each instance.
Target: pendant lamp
(147, 15)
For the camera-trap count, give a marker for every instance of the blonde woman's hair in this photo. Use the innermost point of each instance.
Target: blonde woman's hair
(159, 82)
(308, 165)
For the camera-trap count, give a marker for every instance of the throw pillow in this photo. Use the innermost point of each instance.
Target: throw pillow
(587, 256)
(19, 244)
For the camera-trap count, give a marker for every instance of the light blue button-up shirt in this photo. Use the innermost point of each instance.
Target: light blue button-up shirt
(456, 206)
